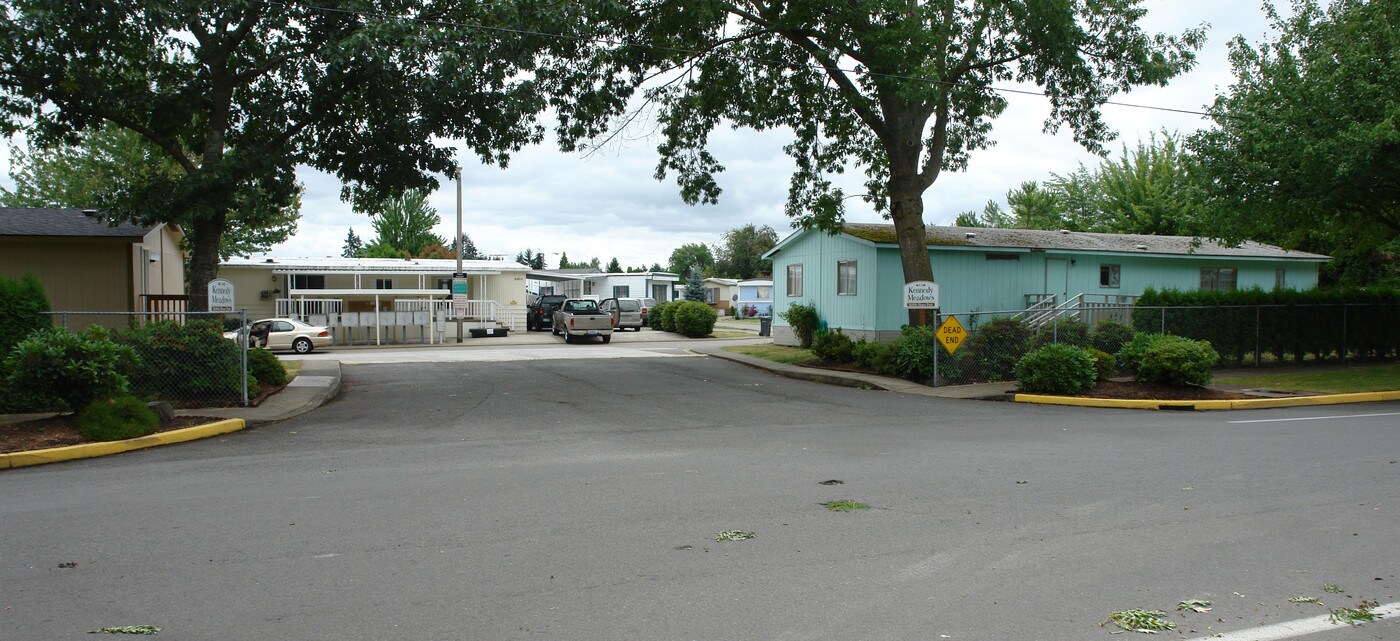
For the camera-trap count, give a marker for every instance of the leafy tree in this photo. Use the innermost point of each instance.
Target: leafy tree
(353, 245)
(695, 286)
(655, 267)
(383, 251)
(1034, 208)
(614, 267)
(110, 160)
(404, 222)
(1305, 151)
(238, 94)
(740, 254)
(1149, 190)
(903, 90)
(435, 250)
(689, 255)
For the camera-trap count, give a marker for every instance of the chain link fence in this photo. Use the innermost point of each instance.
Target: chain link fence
(1244, 336)
(180, 357)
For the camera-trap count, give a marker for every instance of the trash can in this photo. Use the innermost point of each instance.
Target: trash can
(765, 325)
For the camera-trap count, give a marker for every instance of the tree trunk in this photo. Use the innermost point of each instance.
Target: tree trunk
(206, 233)
(907, 211)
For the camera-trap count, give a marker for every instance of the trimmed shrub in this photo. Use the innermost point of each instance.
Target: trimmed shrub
(1104, 363)
(833, 346)
(1130, 355)
(189, 364)
(668, 315)
(1067, 331)
(1110, 336)
(993, 350)
(803, 320)
(876, 356)
(54, 366)
(266, 367)
(22, 303)
(1174, 360)
(693, 319)
(654, 315)
(1056, 369)
(116, 419)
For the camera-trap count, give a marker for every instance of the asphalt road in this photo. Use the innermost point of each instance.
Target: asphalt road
(580, 499)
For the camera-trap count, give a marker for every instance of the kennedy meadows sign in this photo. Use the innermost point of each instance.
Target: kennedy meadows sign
(921, 294)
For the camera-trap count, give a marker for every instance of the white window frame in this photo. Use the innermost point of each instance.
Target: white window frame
(1110, 276)
(712, 295)
(846, 286)
(794, 280)
(622, 291)
(305, 281)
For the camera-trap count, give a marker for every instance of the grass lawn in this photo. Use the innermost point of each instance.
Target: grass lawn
(775, 353)
(722, 333)
(293, 368)
(1340, 380)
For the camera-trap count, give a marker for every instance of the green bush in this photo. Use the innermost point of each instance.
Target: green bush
(803, 320)
(1105, 363)
(1066, 330)
(654, 315)
(1174, 360)
(833, 346)
(668, 315)
(994, 349)
(1130, 354)
(22, 307)
(117, 419)
(1056, 369)
(189, 364)
(1111, 335)
(876, 356)
(693, 319)
(54, 366)
(266, 367)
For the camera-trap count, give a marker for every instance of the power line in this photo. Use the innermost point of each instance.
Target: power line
(560, 36)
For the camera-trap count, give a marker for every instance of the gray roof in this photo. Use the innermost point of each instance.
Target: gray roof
(991, 238)
(54, 221)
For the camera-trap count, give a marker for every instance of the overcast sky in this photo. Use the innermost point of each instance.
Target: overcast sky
(609, 205)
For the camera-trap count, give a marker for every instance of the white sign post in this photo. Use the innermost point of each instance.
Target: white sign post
(921, 294)
(220, 295)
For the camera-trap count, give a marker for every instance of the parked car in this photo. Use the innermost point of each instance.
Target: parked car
(626, 312)
(578, 318)
(282, 334)
(539, 314)
(647, 304)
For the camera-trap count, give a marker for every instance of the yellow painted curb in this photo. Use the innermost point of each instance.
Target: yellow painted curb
(1242, 404)
(89, 450)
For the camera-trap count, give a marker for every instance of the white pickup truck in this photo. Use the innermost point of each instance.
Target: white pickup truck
(580, 318)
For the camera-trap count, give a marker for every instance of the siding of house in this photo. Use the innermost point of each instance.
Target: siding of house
(79, 274)
(971, 282)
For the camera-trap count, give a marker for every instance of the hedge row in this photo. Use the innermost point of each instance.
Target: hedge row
(1283, 323)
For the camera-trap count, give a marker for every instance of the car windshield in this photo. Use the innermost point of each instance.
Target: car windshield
(628, 305)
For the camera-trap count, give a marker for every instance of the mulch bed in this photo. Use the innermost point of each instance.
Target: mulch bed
(62, 430)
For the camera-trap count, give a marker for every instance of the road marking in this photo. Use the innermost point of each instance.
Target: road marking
(1316, 418)
(1296, 628)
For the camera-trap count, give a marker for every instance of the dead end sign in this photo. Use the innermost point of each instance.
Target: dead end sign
(951, 334)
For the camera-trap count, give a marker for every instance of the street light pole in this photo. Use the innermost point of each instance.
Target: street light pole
(459, 273)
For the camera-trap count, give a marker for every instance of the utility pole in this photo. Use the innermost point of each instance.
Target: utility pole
(459, 279)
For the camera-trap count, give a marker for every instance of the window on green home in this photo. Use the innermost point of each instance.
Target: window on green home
(1218, 279)
(845, 278)
(794, 280)
(1109, 276)
(1280, 278)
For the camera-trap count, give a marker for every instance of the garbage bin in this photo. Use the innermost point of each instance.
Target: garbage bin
(765, 325)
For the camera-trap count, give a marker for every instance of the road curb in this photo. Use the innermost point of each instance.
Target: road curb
(90, 450)
(1206, 405)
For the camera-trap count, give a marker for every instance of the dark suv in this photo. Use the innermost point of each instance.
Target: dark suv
(539, 315)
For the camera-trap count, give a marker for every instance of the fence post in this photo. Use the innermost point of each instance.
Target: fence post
(1344, 332)
(243, 323)
(1164, 321)
(937, 346)
(1256, 335)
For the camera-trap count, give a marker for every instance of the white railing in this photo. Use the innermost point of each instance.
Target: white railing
(1089, 308)
(301, 308)
(1039, 308)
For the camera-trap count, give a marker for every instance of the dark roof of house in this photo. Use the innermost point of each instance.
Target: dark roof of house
(55, 221)
(1078, 241)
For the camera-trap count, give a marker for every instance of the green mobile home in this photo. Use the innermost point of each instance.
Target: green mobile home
(855, 280)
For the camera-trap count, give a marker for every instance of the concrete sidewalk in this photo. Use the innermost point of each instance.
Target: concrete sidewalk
(317, 383)
(998, 391)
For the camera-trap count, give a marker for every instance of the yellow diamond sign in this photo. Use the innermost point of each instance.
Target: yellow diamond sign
(951, 334)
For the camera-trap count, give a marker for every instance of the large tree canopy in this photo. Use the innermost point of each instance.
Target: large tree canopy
(903, 90)
(1305, 151)
(740, 252)
(238, 93)
(109, 161)
(404, 223)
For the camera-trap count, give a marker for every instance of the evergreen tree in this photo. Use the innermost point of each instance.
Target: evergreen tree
(469, 251)
(656, 267)
(614, 267)
(695, 286)
(564, 260)
(353, 245)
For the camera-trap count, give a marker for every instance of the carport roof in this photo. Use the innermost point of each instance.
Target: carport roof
(331, 265)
